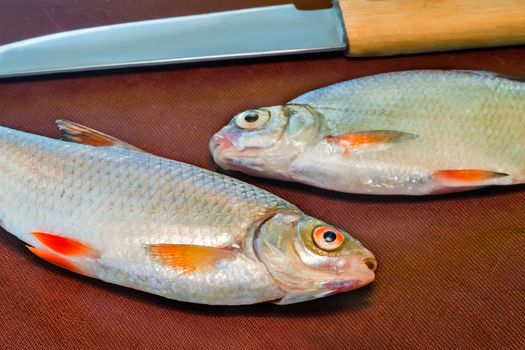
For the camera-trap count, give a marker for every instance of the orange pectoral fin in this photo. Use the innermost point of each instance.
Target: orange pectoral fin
(362, 139)
(469, 177)
(66, 246)
(189, 258)
(57, 260)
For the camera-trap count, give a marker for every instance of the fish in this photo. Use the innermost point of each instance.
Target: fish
(102, 208)
(402, 133)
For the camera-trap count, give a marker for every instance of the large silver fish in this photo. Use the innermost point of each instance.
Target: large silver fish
(408, 133)
(107, 210)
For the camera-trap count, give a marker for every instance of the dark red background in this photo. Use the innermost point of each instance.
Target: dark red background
(452, 271)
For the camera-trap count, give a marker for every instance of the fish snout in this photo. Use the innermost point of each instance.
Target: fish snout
(358, 272)
(219, 141)
(370, 262)
(363, 268)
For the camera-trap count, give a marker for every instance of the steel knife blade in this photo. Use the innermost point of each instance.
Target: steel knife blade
(263, 31)
(355, 27)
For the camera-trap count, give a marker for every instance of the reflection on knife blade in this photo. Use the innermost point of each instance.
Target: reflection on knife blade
(264, 31)
(372, 28)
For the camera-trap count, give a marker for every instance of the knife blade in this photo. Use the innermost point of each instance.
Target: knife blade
(372, 28)
(263, 31)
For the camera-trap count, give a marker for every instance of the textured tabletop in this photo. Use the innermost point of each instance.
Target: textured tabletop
(451, 268)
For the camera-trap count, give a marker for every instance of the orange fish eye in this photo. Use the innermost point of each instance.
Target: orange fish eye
(328, 238)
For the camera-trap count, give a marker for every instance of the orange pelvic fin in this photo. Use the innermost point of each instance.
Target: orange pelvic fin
(66, 246)
(374, 138)
(58, 260)
(73, 132)
(469, 177)
(189, 258)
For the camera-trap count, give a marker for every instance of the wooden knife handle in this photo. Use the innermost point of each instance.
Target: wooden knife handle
(392, 27)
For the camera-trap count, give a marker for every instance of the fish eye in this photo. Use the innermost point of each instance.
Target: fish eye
(252, 120)
(328, 238)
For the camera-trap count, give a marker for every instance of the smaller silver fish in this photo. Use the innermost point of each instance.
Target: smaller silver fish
(405, 133)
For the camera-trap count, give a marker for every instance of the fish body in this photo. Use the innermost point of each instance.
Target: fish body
(406, 133)
(131, 218)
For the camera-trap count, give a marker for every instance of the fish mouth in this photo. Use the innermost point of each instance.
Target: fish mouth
(365, 273)
(219, 141)
(339, 286)
(228, 157)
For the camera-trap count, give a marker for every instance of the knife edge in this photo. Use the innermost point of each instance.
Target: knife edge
(254, 32)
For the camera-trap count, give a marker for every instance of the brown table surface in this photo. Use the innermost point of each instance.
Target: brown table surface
(452, 268)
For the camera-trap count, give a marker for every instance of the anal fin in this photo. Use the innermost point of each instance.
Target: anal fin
(73, 132)
(66, 246)
(59, 261)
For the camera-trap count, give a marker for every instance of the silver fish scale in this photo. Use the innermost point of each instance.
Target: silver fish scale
(118, 201)
(464, 119)
(97, 194)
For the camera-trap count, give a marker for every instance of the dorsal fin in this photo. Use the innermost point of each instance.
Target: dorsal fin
(73, 132)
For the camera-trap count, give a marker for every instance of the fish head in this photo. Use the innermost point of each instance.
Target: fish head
(264, 141)
(310, 259)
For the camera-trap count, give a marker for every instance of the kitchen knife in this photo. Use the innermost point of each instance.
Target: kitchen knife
(356, 27)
